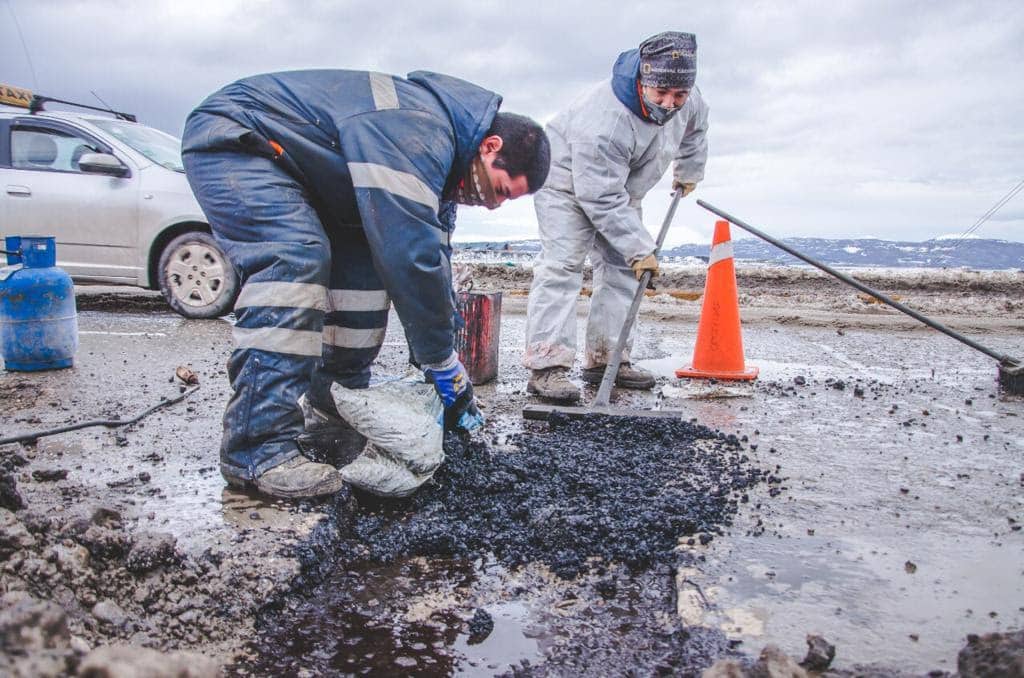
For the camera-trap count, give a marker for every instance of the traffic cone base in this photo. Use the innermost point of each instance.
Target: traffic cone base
(748, 374)
(718, 353)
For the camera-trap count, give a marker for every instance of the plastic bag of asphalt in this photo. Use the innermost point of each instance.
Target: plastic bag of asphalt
(401, 420)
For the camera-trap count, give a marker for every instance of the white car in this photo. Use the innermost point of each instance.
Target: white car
(114, 194)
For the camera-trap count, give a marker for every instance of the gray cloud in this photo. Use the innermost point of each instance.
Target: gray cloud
(900, 120)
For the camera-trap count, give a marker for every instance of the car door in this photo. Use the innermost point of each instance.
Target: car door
(94, 217)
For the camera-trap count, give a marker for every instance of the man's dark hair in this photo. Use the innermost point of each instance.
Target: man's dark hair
(525, 149)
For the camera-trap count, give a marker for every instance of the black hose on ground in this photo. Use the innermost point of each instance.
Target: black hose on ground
(109, 423)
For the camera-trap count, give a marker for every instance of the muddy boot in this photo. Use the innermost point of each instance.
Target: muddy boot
(628, 377)
(328, 438)
(553, 383)
(299, 478)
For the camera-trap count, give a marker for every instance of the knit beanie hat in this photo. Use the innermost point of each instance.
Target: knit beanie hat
(669, 59)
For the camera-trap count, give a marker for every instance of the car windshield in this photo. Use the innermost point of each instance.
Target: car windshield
(163, 149)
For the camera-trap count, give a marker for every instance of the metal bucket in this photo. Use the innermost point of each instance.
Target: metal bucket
(477, 342)
(38, 321)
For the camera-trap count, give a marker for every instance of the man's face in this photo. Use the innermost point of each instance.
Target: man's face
(666, 97)
(505, 187)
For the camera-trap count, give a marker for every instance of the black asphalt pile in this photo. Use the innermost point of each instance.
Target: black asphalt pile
(606, 498)
(582, 493)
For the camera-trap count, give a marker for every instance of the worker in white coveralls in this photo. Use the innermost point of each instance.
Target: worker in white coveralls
(608, 149)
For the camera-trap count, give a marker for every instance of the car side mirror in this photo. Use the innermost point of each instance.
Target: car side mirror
(102, 163)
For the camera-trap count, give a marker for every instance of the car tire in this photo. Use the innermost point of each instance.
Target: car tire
(195, 277)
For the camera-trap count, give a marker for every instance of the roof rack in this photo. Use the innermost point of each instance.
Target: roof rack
(38, 102)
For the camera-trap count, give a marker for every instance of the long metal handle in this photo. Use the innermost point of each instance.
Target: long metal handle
(1001, 357)
(604, 391)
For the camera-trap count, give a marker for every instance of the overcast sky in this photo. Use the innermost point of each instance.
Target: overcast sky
(897, 120)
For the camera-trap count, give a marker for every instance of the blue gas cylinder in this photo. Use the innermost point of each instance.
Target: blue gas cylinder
(38, 322)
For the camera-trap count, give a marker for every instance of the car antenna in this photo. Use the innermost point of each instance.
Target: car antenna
(24, 45)
(126, 116)
(93, 92)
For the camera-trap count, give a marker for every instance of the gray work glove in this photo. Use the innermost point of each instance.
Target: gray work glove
(648, 263)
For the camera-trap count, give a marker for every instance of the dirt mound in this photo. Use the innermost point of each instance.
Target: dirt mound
(81, 578)
(936, 291)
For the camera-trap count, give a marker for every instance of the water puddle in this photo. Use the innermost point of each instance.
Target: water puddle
(414, 617)
(507, 645)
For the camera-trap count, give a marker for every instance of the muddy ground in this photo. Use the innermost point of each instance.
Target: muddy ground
(883, 508)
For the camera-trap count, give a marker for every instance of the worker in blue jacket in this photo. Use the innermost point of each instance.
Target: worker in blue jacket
(333, 193)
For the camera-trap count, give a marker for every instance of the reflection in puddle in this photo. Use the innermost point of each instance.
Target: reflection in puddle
(506, 645)
(252, 511)
(408, 618)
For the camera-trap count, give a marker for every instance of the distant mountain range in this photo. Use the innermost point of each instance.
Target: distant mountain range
(942, 253)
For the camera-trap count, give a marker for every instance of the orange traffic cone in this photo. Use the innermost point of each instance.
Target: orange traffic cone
(719, 350)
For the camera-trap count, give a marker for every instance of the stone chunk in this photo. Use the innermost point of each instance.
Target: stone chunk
(480, 626)
(125, 661)
(774, 663)
(47, 475)
(993, 654)
(10, 499)
(150, 551)
(71, 559)
(30, 625)
(820, 654)
(108, 612)
(14, 536)
(104, 542)
(105, 516)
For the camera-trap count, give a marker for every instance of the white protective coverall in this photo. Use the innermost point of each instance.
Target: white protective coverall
(604, 160)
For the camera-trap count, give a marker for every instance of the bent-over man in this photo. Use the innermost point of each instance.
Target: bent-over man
(333, 194)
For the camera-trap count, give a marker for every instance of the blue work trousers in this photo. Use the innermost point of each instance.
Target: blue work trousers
(311, 310)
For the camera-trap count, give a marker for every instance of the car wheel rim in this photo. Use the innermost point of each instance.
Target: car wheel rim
(195, 274)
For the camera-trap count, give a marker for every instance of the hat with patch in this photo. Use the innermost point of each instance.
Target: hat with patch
(669, 59)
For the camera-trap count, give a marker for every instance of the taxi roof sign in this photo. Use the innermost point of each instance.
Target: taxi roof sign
(15, 96)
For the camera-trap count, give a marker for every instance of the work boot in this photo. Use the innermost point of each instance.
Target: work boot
(628, 377)
(328, 437)
(553, 383)
(299, 478)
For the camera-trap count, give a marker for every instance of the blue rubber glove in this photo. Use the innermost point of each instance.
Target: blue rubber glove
(453, 386)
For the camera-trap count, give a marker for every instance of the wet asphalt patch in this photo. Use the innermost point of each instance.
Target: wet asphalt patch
(121, 302)
(602, 503)
(596, 490)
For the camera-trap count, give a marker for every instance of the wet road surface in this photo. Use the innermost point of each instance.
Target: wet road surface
(897, 532)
